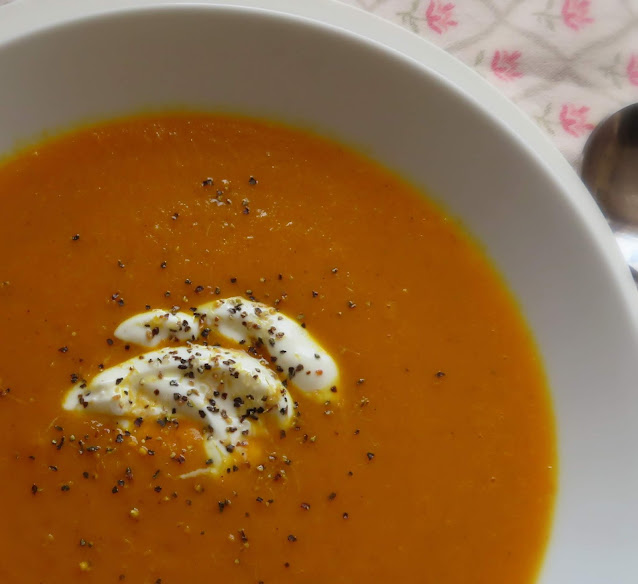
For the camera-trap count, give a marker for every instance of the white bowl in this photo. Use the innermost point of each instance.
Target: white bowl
(420, 112)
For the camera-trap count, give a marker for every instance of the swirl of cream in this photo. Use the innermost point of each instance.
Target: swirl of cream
(293, 351)
(227, 390)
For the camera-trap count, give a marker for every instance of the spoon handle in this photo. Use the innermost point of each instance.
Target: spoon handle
(628, 243)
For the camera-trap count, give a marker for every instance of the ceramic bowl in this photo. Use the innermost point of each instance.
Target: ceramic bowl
(325, 66)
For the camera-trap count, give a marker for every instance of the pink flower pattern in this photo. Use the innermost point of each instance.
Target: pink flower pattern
(576, 14)
(543, 68)
(574, 119)
(439, 16)
(632, 70)
(505, 65)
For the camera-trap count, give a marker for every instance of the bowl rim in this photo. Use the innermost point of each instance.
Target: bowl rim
(487, 99)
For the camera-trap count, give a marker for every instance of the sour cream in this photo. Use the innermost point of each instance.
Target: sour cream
(293, 351)
(226, 390)
(231, 393)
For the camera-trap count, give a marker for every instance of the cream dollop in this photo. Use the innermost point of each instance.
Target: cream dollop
(293, 351)
(227, 390)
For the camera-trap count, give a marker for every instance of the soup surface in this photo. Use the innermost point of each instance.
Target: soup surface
(433, 461)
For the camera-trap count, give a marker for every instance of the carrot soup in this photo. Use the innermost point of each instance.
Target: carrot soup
(238, 351)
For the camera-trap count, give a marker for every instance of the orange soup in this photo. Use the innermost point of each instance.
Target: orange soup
(431, 458)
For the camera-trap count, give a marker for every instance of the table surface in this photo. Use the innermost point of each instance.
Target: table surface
(566, 63)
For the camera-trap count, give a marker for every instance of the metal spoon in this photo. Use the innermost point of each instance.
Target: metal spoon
(610, 172)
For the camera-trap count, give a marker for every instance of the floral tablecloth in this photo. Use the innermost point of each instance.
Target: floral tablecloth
(566, 63)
